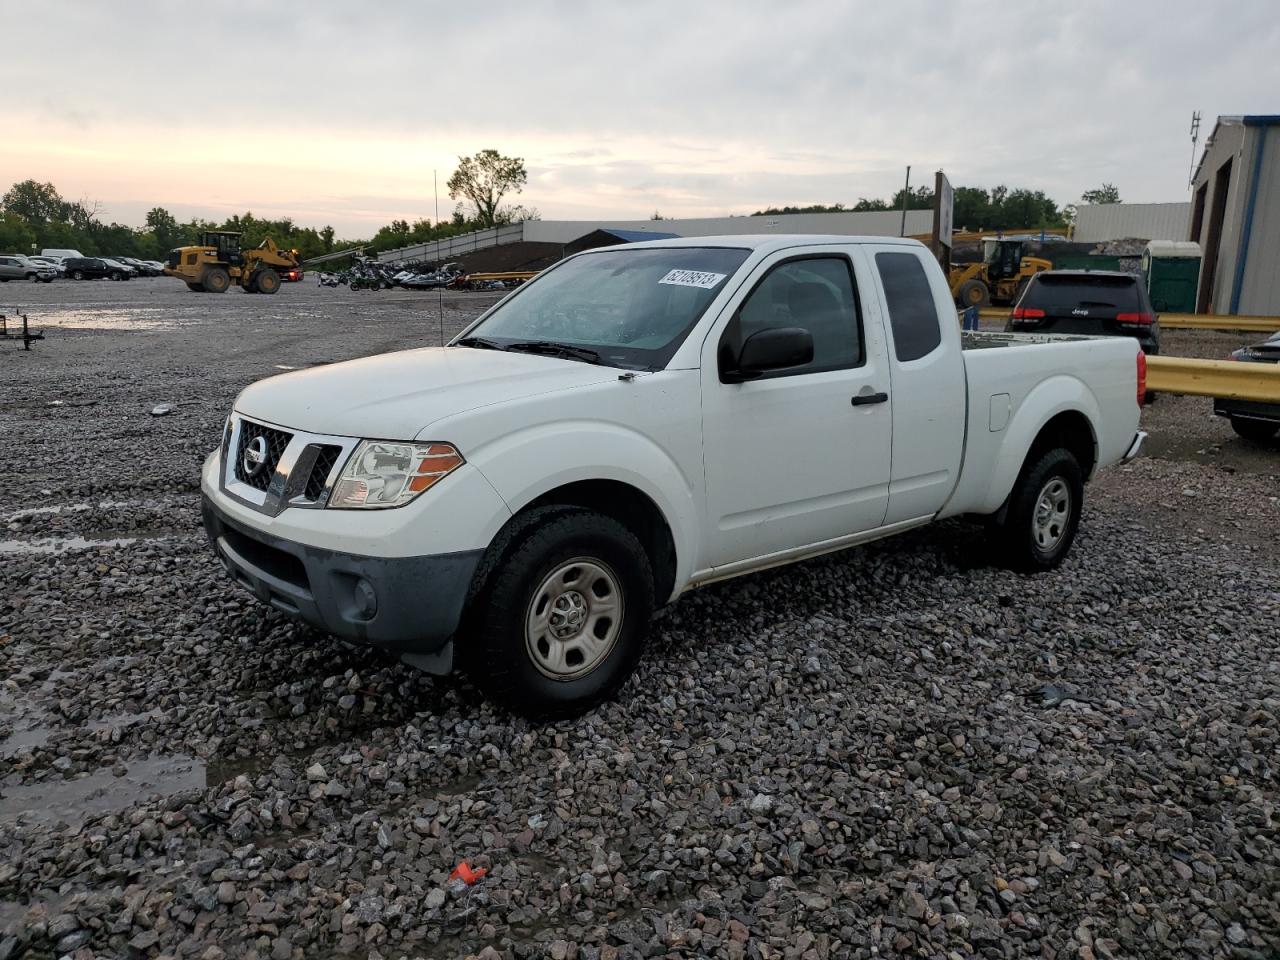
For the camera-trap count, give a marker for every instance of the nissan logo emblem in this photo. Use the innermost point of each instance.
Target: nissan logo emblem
(254, 457)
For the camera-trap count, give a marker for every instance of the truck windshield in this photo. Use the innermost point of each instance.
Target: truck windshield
(619, 307)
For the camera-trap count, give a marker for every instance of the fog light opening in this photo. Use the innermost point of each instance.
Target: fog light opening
(365, 599)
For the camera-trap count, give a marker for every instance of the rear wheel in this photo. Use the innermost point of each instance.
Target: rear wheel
(974, 293)
(561, 621)
(1258, 431)
(116, 275)
(267, 281)
(1043, 512)
(216, 280)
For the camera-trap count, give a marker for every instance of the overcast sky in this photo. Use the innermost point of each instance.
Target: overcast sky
(339, 112)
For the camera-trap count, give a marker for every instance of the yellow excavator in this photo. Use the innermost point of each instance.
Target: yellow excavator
(216, 261)
(999, 277)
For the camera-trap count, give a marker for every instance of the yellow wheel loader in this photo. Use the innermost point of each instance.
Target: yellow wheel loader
(216, 262)
(999, 277)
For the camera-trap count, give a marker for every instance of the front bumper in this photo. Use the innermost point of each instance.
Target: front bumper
(405, 605)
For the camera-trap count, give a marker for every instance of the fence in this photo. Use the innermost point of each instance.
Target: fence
(450, 247)
(1227, 379)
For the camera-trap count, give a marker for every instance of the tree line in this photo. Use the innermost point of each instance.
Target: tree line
(35, 216)
(975, 208)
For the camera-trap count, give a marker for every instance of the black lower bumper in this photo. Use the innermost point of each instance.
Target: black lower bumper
(1247, 409)
(406, 605)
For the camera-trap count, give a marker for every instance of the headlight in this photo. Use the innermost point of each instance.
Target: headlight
(381, 473)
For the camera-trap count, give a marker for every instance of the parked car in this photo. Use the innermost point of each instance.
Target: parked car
(56, 252)
(54, 263)
(1252, 419)
(1091, 302)
(637, 422)
(90, 268)
(291, 274)
(139, 268)
(15, 266)
(119, 271)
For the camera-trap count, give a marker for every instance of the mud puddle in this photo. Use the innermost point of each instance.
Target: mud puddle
(99, 793)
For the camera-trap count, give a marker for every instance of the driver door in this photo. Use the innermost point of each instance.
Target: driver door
(799, 456)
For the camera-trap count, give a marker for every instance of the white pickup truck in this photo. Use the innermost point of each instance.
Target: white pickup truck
(642, 420)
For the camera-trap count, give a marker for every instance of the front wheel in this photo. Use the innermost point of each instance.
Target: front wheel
(268, 281)
(1043, 512)
(77, 275)
(33, 277)
(562, 619)
(1259, 431)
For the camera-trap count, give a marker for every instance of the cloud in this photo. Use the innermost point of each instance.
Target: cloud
(342, 112)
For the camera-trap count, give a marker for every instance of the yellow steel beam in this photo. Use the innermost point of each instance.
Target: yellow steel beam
(1214, 378)
(1182, 321)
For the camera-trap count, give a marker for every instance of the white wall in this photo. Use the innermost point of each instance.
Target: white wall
(1119, 221)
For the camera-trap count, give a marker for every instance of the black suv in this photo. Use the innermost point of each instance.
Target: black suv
(1089, 302)
(90, 268)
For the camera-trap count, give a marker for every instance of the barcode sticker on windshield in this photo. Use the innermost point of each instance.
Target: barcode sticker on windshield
(693, 278)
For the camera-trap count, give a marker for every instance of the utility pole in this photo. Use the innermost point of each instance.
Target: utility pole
(1195, 135)
(906, 192)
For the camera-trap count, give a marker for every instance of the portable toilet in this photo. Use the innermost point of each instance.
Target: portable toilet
(1171, 271)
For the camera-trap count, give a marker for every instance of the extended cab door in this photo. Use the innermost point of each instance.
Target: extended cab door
(930, 404)
(799, 456)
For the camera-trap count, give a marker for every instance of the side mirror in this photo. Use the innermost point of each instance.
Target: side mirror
(773, 349)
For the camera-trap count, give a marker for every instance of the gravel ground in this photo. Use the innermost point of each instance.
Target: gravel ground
(900, 750)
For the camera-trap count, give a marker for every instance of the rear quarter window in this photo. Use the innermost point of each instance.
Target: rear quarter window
(913, 314)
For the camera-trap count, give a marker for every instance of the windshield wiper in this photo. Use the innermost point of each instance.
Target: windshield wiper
(480, 343)
(551, 349)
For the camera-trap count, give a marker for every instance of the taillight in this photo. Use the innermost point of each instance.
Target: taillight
(1142, 378)
(1146, 319)
(1027, 313)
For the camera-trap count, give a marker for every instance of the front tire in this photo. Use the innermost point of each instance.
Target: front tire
(1259, 431)
(561, 621)
(216, 280)
(1043, 512)
(974, 293)
(77, 275)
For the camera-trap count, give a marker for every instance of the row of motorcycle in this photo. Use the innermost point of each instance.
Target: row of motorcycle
(369, 274)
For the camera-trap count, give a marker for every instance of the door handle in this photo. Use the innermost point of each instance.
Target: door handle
(862, 399)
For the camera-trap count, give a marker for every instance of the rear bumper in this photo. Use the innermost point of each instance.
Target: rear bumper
(1135, 448)
(405, 605)
(1247, 409)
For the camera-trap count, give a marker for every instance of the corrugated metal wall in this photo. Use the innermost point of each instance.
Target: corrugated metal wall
(1260, 284)
(1119, 221)
(876, 223)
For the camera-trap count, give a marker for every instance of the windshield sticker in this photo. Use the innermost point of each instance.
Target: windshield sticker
(693, 278)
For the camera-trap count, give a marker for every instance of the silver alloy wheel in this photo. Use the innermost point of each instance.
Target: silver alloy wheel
(574, 619)
(1052, 514)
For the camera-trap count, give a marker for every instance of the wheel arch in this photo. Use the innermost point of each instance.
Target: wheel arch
(630, 506)
(1062, 411)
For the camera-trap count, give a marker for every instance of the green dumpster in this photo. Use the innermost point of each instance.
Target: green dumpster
(1171, 271)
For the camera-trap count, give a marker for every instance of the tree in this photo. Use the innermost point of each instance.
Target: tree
(15, 234)
(484, 180)
(1107, 193)
(164, 228)
(326, 238)
(37, 203)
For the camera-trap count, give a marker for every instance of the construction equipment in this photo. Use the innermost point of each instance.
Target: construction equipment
(216, 261)
(999, 277)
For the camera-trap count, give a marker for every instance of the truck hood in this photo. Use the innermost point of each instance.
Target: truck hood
(395, 396)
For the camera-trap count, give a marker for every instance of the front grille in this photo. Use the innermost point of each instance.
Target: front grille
(326, 457)
(276, 441)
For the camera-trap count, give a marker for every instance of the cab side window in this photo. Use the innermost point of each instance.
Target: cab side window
(913, 315)
(816, 293)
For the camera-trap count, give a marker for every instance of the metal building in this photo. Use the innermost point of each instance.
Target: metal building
(1097, 222)
(1235, 216)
